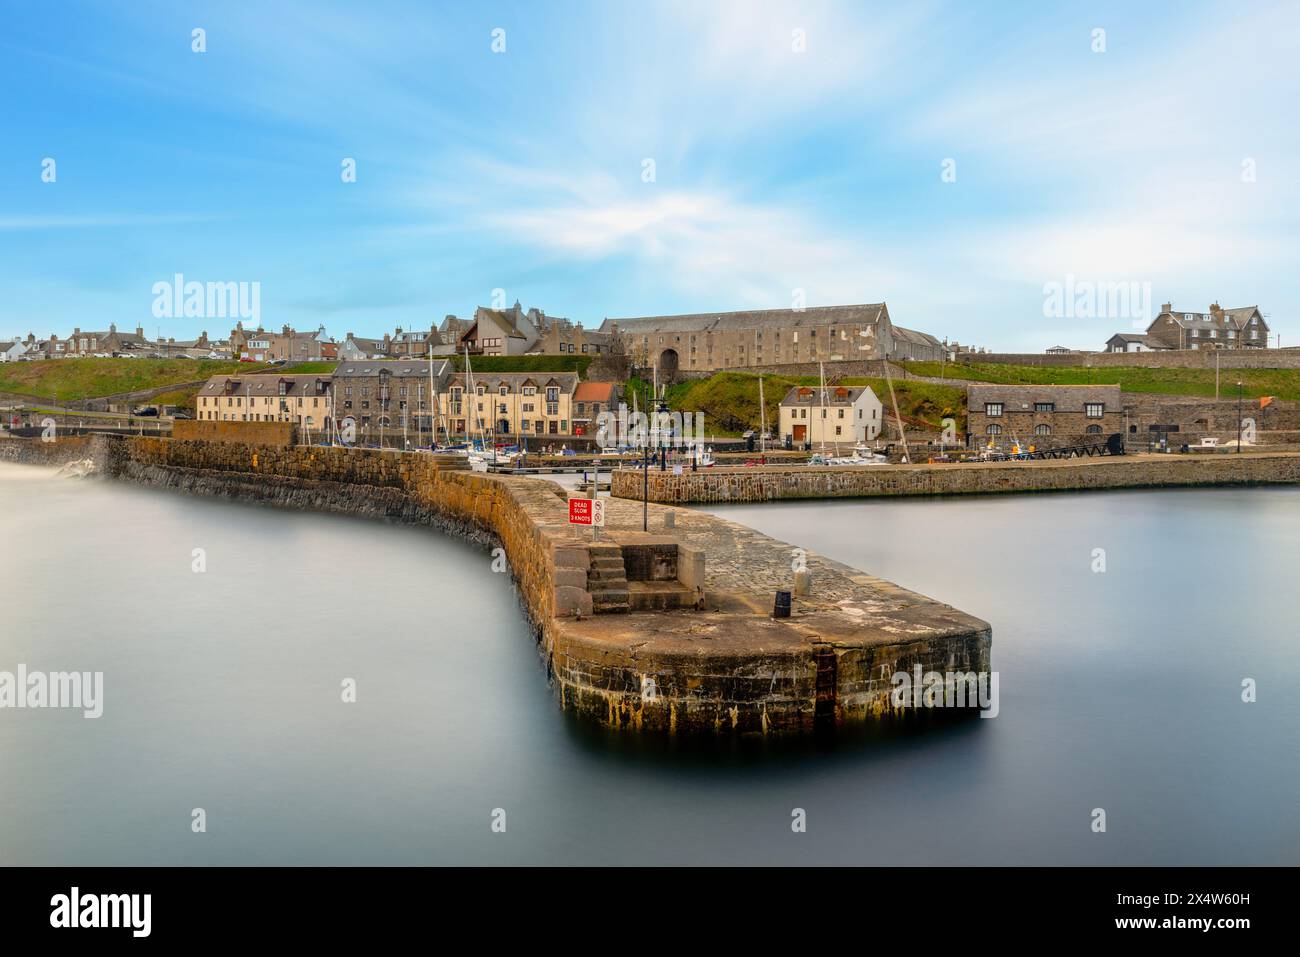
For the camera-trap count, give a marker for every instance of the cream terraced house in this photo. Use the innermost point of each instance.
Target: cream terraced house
(302, 399)
(509, 404)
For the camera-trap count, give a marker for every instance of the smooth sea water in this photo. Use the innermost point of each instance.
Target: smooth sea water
(1119, 689)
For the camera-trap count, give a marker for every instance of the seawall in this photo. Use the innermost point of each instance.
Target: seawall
(667, 631)
(766, 484)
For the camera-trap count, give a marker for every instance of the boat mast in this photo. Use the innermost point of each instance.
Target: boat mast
(762, 418)
(821, 372)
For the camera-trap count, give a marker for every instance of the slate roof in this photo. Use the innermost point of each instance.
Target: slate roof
(264, 383)
(1066, 398)
(402, 368)
(810, 395)
(863, 315)
(568, 381)
(1235, 318)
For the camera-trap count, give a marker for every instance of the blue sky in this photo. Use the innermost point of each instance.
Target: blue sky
(775, 170)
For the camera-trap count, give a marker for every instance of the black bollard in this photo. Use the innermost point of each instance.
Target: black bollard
(781, 609)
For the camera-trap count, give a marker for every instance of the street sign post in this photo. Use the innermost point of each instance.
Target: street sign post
(587, 511)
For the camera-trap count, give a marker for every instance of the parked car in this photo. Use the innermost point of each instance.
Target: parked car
(182, 415)
(145, 410)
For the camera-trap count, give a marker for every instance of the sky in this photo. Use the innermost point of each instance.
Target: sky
(615, 159)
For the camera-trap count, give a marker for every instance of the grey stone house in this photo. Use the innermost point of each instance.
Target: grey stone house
(1046, 416)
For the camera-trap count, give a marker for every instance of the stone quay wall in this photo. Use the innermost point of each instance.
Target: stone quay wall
(806, 482)
(68, 448)
(283, 434)
(530, 521)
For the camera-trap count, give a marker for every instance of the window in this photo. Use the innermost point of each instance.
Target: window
(994, 429)
(1094, 430)
(1042, 430)
(1044, 407)
(993, 410)
(1094, 410)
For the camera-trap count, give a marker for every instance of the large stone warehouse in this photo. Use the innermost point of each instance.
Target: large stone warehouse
(707, 342)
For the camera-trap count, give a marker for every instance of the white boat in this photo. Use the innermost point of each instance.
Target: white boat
(856, 459)
(699, 455)
(487, 457)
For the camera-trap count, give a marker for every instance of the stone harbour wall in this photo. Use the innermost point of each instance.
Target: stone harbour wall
(65, 449)
(804, 482)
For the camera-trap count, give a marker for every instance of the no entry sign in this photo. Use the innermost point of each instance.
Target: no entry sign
(586, 511)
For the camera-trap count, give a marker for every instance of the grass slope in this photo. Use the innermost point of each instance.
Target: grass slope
(487, 364)
(70, 380)
(729, 400)
(1280, 383)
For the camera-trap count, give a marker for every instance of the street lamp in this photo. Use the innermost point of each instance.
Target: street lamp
(645, 472)
(1238, 418)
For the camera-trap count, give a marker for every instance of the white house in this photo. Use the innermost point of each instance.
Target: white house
(12, 351)
(830, 415)
(1129, 342)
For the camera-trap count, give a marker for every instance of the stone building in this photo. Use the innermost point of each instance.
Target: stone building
(1240, 328)
(359, 347)
(499, 332)
(1047, 416)
(561, 337)
(830, 415)
(288, 345)
(90, 343)
(589, 401)
(266, 397)
(708, 342)
(386, 394)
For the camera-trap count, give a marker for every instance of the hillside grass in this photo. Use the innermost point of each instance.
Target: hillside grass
(1280, 383)
(72, 380)
(729, 400)
(489, 364)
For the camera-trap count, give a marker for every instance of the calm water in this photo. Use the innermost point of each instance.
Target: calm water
(222, 691)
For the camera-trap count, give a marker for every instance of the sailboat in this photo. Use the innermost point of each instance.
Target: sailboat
(486, 455)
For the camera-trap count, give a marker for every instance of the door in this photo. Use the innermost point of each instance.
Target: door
(800, 433)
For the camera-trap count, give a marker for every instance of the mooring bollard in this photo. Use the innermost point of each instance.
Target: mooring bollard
(781, 609)
(803, 582)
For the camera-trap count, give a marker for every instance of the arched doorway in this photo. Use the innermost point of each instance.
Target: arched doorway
(668, 365)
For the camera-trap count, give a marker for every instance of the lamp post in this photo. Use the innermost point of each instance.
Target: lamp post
(1238, 418)
(645, 473)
